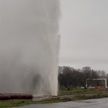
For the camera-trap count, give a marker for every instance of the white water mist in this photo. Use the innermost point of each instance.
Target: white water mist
(29, 46)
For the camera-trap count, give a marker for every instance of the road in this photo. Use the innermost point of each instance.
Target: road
(94, 103)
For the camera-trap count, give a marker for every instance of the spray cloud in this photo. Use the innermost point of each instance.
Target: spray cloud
(28, 46)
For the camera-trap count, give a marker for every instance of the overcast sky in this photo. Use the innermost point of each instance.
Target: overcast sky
(84, 33)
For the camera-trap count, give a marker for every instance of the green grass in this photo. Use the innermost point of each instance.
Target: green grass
(14, 103)
(64, 96)
(82, 94)
(79, 91)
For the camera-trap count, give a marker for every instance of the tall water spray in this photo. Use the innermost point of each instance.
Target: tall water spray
(29, 46)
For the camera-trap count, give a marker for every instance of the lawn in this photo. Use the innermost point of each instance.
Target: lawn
(64, 96)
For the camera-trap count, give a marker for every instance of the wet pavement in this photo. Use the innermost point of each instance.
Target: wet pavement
(93, 103)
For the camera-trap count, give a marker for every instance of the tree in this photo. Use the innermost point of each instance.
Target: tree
(70, 77)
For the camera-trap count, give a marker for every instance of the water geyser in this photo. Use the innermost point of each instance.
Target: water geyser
(29, 46)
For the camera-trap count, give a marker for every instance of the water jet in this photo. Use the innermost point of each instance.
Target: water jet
(29, 46)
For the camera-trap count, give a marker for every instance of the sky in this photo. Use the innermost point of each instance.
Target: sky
(84, 33)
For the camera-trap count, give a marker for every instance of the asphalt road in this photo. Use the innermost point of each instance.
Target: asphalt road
(94, 103)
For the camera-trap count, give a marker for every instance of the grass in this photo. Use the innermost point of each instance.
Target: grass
(14, 103)
(64, 96)
(82, 94)
(75, 91)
